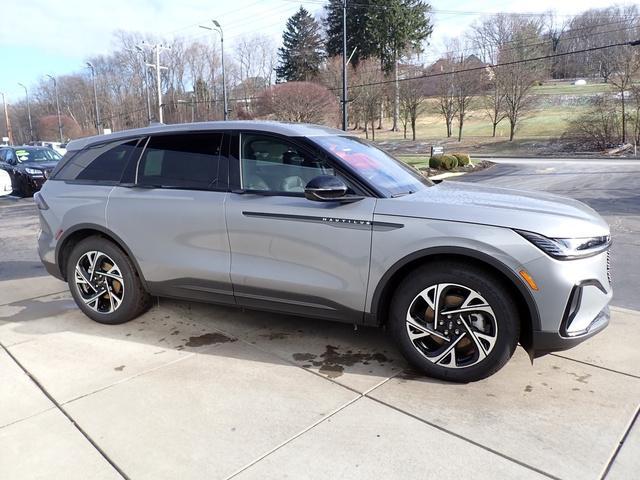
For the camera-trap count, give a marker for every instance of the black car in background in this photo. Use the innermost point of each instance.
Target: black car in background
(28, 167)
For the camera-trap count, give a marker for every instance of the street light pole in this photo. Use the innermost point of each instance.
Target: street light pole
(55, 90)
(95, 95)
(26, 93)
(6, 118)
(345, 111)
(218, 29)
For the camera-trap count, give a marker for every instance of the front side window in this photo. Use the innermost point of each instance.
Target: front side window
(388, 175)
(271, 164)
(196, 161)
(99, 163)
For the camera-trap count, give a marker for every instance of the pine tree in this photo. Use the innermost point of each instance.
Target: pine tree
(301, 53)
(361, 38)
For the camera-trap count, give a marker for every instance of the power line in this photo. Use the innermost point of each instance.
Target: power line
(496, 65)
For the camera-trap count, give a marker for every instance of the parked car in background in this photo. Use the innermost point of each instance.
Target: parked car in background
(308, 220)
(5, 183)
(28, 167)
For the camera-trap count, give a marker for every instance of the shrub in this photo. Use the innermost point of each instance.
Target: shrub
(435, 161)
(463, 159)
(449, 162)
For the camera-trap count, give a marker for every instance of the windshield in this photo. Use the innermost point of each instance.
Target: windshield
(37, 155)
(392, 177)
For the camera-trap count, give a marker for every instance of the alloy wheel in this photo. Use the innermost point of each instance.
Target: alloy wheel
(99, 282)
(451, 325)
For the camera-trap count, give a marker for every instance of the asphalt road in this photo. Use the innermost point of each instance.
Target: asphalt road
(611, 187)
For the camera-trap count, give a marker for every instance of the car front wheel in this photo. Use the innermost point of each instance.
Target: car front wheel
(104, 282)
(454, 321)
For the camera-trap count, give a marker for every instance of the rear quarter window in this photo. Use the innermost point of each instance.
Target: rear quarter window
(104, 163)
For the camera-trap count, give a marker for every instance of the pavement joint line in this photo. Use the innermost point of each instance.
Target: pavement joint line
(34, 298)
(462, 437)
(595, 366)
(27, 417)
(616, 451)
(306, 429)
(131, 377)
(629, 311)
(66, 414)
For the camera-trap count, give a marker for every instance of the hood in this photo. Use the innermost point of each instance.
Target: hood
(50, 165)
(549, 215)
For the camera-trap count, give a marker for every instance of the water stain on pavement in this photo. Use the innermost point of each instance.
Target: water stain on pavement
(120, 368)
(332, 362)
(208, 339)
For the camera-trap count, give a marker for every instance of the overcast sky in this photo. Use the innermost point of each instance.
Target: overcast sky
(55, 37)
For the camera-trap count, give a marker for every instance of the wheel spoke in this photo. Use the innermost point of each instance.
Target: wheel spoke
(448, 350)
(425, 331)
(475, 336)
(93, 259)
(82, 278)
(94, 298)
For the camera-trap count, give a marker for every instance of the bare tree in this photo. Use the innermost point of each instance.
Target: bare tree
(297, 102)
(412, 101)
(368, 93)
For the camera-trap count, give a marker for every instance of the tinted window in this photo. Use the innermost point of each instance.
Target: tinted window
(275, 165)
(100, 163)
(187, 161)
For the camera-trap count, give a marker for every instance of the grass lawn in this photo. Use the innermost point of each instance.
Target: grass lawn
(543, 122)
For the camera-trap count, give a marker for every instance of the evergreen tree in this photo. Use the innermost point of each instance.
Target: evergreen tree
(401, 27)
(360, 30)
(301, 53)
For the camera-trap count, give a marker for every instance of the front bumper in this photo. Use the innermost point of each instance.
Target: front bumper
(547, 342)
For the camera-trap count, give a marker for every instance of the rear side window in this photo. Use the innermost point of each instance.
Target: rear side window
(100, 163)
(196, 161)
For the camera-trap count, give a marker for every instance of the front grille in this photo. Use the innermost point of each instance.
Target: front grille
(609, 266)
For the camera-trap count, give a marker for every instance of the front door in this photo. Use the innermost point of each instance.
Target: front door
(171, 216)
(288, 253)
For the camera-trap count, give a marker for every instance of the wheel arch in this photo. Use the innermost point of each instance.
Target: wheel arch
(72, 236)
(527, 308)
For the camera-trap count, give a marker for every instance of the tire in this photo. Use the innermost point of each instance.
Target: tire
(124, 296)
(480, 339)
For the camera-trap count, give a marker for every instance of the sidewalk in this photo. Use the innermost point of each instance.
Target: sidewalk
(198, 391)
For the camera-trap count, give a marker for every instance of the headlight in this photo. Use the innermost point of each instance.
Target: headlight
(568, 248)
(33, 171)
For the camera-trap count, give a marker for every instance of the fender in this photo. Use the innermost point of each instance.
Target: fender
(99, 228)
(428, 253)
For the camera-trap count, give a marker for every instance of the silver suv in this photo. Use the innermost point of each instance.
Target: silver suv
(307, 220)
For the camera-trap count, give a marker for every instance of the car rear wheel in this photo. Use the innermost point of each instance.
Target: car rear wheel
(104, 283)
(454, 321)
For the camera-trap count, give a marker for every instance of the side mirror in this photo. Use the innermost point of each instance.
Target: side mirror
(327, 188)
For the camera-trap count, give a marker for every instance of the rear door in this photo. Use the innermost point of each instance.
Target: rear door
(289, 253)
(170, 213)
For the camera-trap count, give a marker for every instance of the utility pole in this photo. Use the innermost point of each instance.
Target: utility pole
(218, 28)
(141, 50)
(345, 118)
(157, 47)
(55, 90)
(95, 95)
(6, 118)
(26, 93)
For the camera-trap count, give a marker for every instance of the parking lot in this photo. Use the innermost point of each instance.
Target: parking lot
(199, 391)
